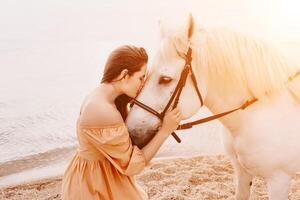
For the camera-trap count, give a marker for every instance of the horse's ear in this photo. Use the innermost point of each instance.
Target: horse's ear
(162, 29)
(190, 26)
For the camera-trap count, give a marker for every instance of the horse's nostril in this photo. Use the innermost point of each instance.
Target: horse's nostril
(141, 137)
(133, 132)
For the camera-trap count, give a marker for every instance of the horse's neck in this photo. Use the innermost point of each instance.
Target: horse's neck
(219, 102)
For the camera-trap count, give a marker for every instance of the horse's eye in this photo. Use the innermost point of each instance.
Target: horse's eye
(164, 80)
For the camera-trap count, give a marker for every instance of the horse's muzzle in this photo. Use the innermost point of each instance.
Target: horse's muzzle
(141, 139)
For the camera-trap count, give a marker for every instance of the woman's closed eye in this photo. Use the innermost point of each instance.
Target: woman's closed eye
(164, 80)
(142, 78)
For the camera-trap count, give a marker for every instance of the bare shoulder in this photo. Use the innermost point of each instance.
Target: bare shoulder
(99, 114)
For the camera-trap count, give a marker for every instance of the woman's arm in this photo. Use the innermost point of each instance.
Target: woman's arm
(170, 124)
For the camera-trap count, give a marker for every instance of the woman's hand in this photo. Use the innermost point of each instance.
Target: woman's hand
(169, 124)
(171, 121)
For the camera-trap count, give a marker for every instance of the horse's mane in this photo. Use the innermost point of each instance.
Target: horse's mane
(234, 59)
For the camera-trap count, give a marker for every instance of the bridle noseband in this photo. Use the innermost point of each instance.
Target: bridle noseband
(176, 95)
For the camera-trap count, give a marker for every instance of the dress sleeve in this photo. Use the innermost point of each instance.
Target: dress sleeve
(115, 144)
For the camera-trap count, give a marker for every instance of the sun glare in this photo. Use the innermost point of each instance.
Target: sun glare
(285, 17)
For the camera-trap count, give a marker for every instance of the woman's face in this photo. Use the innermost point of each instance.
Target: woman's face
(134, 83)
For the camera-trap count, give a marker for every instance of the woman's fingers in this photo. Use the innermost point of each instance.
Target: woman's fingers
(179, 118)
(175, 110)
(171, 120)
(175, 113)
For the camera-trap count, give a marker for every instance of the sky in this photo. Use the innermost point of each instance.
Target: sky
(85, 31)
(136, 20)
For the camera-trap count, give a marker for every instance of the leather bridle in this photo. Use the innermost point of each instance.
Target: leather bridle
(176, 95)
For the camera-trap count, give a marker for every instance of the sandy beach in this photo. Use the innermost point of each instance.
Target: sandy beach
(202, 177)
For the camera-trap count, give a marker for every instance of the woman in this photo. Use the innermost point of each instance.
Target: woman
(106, 161)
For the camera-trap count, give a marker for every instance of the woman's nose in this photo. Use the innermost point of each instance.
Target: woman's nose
(140, 88)
(142, 84)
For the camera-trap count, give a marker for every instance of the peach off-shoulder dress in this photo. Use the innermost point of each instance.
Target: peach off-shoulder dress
(104, 165)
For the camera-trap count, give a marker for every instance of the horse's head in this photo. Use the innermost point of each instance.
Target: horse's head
(161, 82)
(230, 68)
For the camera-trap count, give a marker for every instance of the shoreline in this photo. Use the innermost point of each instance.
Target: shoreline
(54, 162)
(200, 177)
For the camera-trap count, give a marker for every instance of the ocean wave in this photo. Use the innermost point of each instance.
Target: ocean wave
(35, 160)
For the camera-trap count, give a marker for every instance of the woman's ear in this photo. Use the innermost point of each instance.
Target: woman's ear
(124, 73)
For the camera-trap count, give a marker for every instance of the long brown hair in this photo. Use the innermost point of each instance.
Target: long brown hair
(125, 57)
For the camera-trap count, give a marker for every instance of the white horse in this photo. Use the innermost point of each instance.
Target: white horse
(231, 68)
